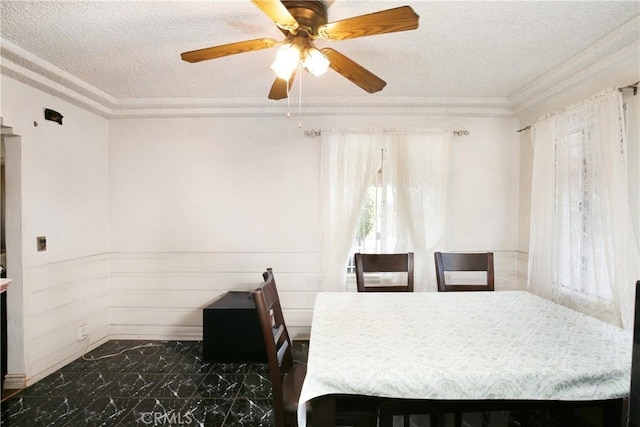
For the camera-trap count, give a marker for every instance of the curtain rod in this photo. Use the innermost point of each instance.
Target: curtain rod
(633, 86)
(317, 132)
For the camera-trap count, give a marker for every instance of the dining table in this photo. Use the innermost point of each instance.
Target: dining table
(505, 346)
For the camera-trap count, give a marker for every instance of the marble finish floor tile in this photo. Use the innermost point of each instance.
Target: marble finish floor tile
(251, 412)
(207, 412)
(133, 382)
(105, 411)
(158, 411)
(36, 411)
(219, 386)
(178, 386)
(256, 385)
(192, 364)
(57, 384)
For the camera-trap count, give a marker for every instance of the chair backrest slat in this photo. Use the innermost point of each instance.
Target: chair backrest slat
(282, 352)
(277, 333)
(465, 262)
(460, 262)
(384, 263)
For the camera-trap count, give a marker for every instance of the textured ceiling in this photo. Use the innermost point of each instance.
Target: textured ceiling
(131, 49)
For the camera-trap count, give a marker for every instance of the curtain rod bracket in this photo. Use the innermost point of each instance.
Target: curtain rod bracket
(312, 132)
(633, 86)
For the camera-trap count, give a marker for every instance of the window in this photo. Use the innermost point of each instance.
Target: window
(369, 229)
(582, 250)
(578, 211)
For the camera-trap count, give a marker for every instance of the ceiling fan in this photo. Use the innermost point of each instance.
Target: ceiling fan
(304, 21)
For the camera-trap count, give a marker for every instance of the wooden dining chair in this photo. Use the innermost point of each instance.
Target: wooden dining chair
(461, 262)
(287, 375)
(464, 262)
(384, 263)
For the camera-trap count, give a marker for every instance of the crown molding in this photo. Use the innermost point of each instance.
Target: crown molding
(322, 106)
(34, 71)
(61, 91)
(30, 69)
(620, 45)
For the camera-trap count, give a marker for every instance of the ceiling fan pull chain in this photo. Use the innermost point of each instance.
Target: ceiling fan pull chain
(300, 96)
(288, 103)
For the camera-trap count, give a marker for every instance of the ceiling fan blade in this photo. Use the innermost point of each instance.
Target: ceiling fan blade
(280, 89)
(352, 71)
(227, 49)
(386, 21)
(278, 13)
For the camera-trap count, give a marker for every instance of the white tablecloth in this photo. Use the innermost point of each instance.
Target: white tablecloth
(462, 346)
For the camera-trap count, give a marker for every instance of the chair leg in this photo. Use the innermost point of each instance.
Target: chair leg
(457, 422)
(374, 420)
(386, 418)
(433, 420)
(407, 420)
(485, 419)
(520, 417)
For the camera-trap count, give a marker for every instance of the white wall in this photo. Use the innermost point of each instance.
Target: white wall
(200, 206)
(63, 173)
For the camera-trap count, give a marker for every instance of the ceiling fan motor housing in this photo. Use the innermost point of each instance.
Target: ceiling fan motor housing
(309, 14)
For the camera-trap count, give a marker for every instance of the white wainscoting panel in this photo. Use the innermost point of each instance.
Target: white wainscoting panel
(62, 297)
(504, 270)
(523, 270)
(161, 295)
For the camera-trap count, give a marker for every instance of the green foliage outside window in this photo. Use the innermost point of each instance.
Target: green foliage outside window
(367, 219)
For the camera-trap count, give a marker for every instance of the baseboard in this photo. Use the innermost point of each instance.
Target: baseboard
(14, 381)
(155, 333)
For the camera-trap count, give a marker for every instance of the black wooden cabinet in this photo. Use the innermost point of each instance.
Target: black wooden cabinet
(231, 330)
(3, 337)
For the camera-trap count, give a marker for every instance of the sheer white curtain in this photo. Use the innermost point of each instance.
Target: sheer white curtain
(415, 185)
(420, 166)
(583, 252)
(349, 162)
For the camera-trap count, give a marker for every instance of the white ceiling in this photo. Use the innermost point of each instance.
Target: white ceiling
(126, 54)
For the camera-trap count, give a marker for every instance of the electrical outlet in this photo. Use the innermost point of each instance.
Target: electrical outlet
(82, 332)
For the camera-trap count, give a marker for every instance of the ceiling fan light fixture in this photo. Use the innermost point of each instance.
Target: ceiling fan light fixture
(315, 62)
(286, 62)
